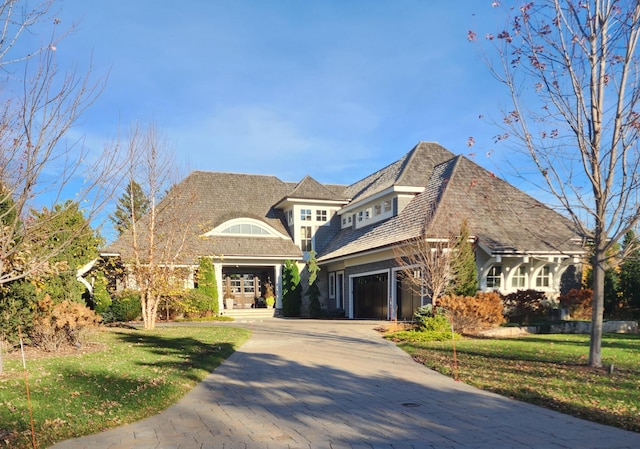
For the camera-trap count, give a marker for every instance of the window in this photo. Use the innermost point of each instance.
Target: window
(321, 215)
(349, 219)
(332, 285)
(377, 209)
(305, 214)
(344, 220)
(519, 278)
(494, 277)
(387, 205)
(367, 213)
(305, 238)
(360, 215)
(544, 277)
(245, 229)
(290, 216)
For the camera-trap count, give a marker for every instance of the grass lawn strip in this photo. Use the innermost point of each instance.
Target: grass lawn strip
(548, 370)
(122, 376)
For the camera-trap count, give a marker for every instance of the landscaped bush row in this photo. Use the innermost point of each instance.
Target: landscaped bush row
(469, 314)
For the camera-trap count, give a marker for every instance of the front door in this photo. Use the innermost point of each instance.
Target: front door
(244, 288)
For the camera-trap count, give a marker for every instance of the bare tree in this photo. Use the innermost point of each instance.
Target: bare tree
(431, 263)
(571, 69)
(39, 165)
(152, 244)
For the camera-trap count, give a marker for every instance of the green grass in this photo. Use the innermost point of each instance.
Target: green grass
(547, 370)
(123, 376)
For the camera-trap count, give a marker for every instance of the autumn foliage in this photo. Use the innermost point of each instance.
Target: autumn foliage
(473, 313)
(526, 306)
(64, 324)
(578, 302)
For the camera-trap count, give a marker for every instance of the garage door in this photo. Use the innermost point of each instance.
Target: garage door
(370, 296)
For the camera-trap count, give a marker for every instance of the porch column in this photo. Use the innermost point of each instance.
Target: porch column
(278, 285)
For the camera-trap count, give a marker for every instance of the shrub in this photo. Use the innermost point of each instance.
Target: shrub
(101, 296)
(64, 324)
(208, 285)
(291, 290)
(526, 306)
(473, 313)
(578, 302)
(433, 320)
(17, 307)
(421, 336)
(197, 304)
(125, 306)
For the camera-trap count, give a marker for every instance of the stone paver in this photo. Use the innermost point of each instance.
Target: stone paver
(338, 385)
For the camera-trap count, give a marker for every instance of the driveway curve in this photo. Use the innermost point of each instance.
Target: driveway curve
(337, 384)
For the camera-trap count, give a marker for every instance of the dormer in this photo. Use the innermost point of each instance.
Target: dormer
(379, 207)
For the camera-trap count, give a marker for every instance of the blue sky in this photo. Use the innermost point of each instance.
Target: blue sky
(331, 89)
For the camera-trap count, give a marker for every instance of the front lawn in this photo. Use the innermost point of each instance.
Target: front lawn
(548, 370)
(122, 376)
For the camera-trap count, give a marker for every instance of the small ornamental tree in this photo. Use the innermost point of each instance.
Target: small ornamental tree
(291, 290)
(208, 284)
(313, 292)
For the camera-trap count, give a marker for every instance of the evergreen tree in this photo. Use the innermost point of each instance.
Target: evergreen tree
(291, 290)
(630, 273)
(466, 283)
(208, 284)
(313, 292)
(57, 225)
(133, 204)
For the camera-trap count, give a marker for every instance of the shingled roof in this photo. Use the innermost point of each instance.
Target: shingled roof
(412, 169)
(310, 189)
(502, 218)
(205, 200)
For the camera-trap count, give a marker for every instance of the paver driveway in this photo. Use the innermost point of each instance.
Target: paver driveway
(338, 384)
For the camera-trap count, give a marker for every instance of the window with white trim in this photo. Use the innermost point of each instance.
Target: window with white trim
(245, 229)
(519, 278)
(305, 238)
(305, 214)
(494, 277)
(386, 205)
(321, 215)
(377, 209)
(543, 279)
(360, 215)
(332, 285)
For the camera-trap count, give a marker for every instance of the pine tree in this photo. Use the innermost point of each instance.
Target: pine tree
(466, 283)
(133, 204)
(72, 243)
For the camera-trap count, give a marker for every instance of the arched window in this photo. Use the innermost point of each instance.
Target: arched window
(245, 227)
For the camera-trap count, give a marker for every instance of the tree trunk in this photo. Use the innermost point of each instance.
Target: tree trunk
(595, 356)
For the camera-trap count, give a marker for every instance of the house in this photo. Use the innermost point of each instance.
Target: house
(251, 224)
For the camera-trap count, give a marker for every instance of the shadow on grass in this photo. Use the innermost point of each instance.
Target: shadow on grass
(179, 352)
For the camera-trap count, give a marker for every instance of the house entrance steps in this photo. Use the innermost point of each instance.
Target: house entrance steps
(250, 314)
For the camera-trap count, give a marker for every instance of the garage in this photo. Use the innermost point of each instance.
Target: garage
(370, 295)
